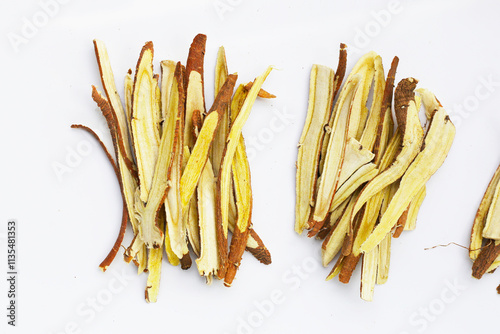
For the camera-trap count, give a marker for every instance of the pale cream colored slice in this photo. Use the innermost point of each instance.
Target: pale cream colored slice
(198, 158)
(370, 130)
(338, 211)
(171, 257)
(356, 156)
(194, 101)
(318, 114)
(191, 217)
(476, 239)
(364, 174)
(374, 204)
(334, 241)
(370, 217)
(232, 143)
(492, 227)
(167, 77)
(208, 262)
(242, 186)
(359, 111)
(436, 147)
(416, 203)
(108, 82)
(157, 99)
(156, 196)
(328, 181)
(174, 209)
(155, 258)
(221, 73)
(384, 260)
(369, 274)
(144, 126)
(128, 89)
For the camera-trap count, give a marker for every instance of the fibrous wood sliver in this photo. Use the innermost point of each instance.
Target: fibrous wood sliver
(476, 240)
(221, 73)
(146, 137)
(175, 129)
(318, 114)
(200, 151)
(243, 195)
(335, 239)
(224, 178)
(328, 181)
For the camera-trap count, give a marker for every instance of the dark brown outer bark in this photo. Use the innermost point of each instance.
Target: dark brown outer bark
(350, 263)
(220, 106)
(323, 233)
(114, 129)
(315, 226)
(403, 94)
(112, 115)
(178, 144)
(262, 93)
(236, 251)
(386, 104)
(186, 261)
(340, 72)
(223, 99)
(498, 289)
(485, 258)
(353, 232)
(123, 226)
(261, 253)
(195, 60)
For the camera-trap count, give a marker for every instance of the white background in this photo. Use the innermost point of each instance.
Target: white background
(67, 226)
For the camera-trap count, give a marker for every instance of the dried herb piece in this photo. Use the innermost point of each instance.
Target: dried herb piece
(225, 171)
(318, 114)
(243, 192)
(328, 181)
(199, 154)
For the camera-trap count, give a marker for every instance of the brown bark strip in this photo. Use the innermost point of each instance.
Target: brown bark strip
(261, 253)
(262, 93)
(486, 257)
(403, 95)
(104, 148)
(340, 72)
(353, 232)
(349, 264)
(400, 225)
(119, 239)
(498, 289)
(123, 226)
(130, 165)
(199, 154)
(186, 262)
(322, 234)
(196, 58)
(236, 251)
(386, 104)
(241, 180)
(195, 88)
